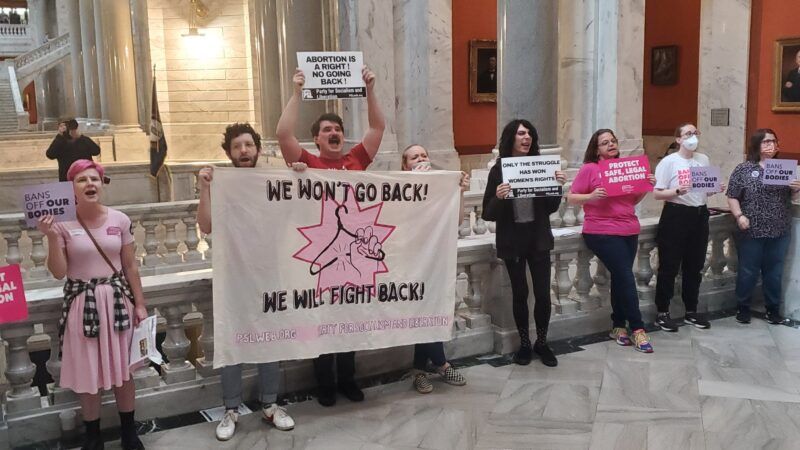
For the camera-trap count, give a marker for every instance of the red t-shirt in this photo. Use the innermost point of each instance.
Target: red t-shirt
(357, 159)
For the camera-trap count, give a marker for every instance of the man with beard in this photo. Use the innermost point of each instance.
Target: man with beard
(328, 133)
(242, 145)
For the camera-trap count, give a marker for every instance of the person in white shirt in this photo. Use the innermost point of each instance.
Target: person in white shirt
(682, 235)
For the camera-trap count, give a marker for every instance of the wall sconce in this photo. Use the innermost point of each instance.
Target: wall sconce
(196, 9)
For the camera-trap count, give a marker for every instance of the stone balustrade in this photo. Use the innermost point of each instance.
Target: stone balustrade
(22, 62)
(174, 262)
(13, 30)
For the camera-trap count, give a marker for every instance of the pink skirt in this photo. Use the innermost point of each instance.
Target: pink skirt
(91, 364)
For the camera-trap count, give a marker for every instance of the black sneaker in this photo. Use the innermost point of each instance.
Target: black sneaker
(523, 356)
(743, 316)
(692, 318)
(665, 322)
(546, 355)
(326, 396)
(777, 319)
(351, 391)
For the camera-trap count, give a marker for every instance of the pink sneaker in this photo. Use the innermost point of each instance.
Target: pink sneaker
(620, 336)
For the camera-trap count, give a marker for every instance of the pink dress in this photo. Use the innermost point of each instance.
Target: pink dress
(91, 364)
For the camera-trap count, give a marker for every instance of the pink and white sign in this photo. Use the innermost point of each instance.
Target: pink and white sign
(328, 261)
(622, 176)
(13, 307)
(779, 172)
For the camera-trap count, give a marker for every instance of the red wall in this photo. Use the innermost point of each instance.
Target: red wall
(674, 22)
(777, 21)
(474, 124)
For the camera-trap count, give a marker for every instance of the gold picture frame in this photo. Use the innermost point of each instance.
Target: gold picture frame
(786, 76)
(482, 71)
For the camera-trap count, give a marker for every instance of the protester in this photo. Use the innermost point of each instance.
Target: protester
(682, 235)
(103, 300)
(415, 158)
(763, 215)
(611, 231)
(328, 133)
(242, 145)
(524, 237)
(69, 146)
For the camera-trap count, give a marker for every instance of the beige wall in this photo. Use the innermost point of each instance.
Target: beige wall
(203, 83)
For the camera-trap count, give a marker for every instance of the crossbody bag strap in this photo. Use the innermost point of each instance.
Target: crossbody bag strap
(96, 245)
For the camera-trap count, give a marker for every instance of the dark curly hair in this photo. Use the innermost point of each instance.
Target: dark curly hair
(330, 117)
(754, 149)
(237, 129)
(509, 136)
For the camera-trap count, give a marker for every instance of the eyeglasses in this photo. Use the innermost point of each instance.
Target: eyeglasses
(767, 142)
(692, 133)
(606, 142)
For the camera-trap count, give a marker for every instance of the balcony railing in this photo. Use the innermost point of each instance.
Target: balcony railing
(174, 259)
(13, 30)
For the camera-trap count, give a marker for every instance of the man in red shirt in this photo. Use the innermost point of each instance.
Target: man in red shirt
(328, 132)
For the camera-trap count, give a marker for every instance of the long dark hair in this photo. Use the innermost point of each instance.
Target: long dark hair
(594, 142)
(509, 136)
(754, 149)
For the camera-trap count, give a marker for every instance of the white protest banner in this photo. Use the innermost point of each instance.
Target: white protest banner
(55, 199)
(326, 261)
(779, 172)
(332, 75)
(705, 179)
(532, 176)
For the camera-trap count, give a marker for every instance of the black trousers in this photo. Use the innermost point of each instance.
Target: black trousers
(682, 242)
(345, 368)
(429, 350)
(539, 266)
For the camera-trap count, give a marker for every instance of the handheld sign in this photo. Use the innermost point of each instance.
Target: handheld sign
(705, 179)
(12, 295)
(55, 199)
(532, 176)
(622, 176)
(332, 75)
(779, 172)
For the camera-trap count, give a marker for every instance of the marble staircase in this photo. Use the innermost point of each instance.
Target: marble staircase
(8, 114)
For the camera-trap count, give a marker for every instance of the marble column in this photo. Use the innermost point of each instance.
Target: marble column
(117, 61)
(527, 48)
(620, 45)
(68, 21)
(89, 58)
(267, 76)
(100, 52)
(365, 25)
(577, 50)
(724, 53)
(140, 30)
(37, 21)
(423, 65)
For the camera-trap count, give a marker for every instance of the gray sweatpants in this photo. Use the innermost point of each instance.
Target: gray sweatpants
(268, 382)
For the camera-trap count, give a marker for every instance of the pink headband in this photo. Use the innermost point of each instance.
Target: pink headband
(83, 164)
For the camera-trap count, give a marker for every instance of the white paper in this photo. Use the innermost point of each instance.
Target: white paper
(143, 343)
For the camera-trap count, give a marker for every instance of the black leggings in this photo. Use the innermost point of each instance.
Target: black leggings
(539, 264)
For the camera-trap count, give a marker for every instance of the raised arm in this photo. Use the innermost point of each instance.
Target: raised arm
(204, 206)
(377, 123)
(56, 258)
(290, 146)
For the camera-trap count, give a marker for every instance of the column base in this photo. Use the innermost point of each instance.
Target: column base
(59, 395)
(565, 306)
(27, 401)
(146, 377)
(477, 320)
(178, 374)
(206, 368)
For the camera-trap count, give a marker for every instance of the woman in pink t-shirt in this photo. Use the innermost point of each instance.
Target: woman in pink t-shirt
(100, 309)
(611, 231)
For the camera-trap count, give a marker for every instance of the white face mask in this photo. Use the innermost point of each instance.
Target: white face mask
(690, 143)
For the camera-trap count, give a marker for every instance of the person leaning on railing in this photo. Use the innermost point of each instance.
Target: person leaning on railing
(103, 301)
(763, 215)
(611, 231)
(415, 158)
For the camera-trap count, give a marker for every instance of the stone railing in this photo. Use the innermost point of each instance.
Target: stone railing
(177, 284)
(13, 30)
(41, 58)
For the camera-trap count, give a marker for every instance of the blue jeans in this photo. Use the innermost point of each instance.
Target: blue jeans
(268, 381)
(617, 253)
(764, 256)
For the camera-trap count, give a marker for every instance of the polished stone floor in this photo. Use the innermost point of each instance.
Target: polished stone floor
(731, 387)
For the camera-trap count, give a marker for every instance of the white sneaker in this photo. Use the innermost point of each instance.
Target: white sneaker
(278, 416)
(227, 426)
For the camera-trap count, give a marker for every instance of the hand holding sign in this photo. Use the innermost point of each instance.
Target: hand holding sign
(368, 76)
(298, 80)
(45, 225)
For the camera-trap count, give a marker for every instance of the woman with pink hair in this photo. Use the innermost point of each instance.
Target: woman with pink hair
(103, 301)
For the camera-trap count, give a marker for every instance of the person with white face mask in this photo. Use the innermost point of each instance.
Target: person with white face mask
(682, 235)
